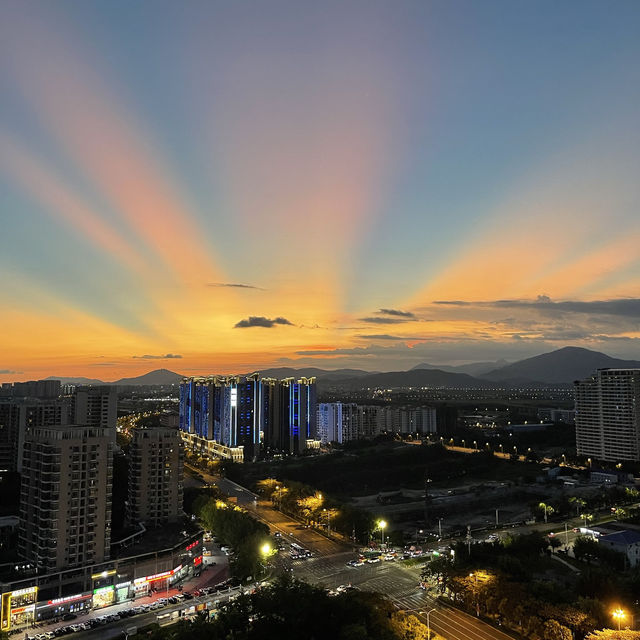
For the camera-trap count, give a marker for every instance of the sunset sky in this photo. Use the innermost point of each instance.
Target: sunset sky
(222, 186)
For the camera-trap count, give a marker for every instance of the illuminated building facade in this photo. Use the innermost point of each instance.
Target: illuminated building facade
(608, 415)
(262, 417)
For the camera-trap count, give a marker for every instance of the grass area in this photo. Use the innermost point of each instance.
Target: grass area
(386, 467)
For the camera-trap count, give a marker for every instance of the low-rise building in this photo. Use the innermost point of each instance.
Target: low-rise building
(625, 542)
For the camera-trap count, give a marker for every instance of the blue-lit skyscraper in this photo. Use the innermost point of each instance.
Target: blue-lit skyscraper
(264, 417)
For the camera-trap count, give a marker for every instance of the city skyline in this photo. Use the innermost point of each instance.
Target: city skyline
(216, 187)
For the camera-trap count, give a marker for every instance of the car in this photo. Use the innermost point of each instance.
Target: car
(277, 534)
(187, 595)
(173, 600)
(373, 560)
(354, 563)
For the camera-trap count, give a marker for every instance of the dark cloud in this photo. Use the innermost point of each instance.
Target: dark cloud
(396, 312)
(624, 307)
(234, 285)
(383, 320)
(261, 321)
(166, 356)
(386, 336)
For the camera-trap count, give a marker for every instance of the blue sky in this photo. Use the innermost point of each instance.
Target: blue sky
(340, 157)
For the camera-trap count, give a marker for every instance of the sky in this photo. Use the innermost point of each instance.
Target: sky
(216, 187)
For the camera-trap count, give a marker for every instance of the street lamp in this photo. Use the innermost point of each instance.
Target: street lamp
(619, 615)
(429, 624)
(382, 526)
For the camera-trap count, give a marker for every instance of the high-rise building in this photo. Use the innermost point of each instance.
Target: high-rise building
(96, 407)
(608, 415)
(16, 415)
(156, 475)
(258, 416)
(65, 497)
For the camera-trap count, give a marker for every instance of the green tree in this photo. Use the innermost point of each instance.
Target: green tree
(439, 568)
(553, 630)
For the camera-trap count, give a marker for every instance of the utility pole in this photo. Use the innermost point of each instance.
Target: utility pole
(469, 538)
(497, 510)
(440, 527)
(566, 535)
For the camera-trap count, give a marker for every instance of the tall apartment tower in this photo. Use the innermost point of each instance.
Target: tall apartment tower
(608, 415)
(275, 416)
(16, 416)
(65, 497)
(96, 407)
(156, 476)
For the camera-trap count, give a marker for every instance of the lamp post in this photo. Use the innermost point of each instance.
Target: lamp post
(429, 624)
(382, 525)
(440, 527)
(619, 615)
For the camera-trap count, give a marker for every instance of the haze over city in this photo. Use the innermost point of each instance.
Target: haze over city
(225, 186)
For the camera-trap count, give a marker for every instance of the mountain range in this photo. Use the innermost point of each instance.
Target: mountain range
(562, 366)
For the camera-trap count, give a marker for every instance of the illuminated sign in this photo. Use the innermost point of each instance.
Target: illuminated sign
(102, 590)
(234, 397)
(193, 545)
(104, 574)
(23, 592)
(197, 561)
(31, 607)
(121, 585)
(68, 599)
(157, 576)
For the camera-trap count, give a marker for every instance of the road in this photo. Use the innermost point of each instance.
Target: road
(328, 567)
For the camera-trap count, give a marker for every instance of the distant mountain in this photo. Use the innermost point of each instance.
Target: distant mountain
(79, 380)
(561, 366)
(310, 372)
(473, 368)
(414, 378)
(159, 377)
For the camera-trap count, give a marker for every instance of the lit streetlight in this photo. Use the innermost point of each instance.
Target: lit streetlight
(429, 624)
(382, 525)
(619, 615)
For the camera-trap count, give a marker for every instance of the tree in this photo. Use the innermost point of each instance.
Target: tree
(585, 548)
(440, 568)
(553, 630)
(554, 543)
(611, 634)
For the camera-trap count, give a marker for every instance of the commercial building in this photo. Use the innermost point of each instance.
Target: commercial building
(242, 417)
(608, 415)
(51, 595)
(156, 476)
(65, 497)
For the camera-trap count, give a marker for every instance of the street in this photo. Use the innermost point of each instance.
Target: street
(328, 568)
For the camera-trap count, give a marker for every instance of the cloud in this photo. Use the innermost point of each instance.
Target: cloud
(5, 371)
(166, 356)
(261, 321)
(626, 307)
(386, 336)
(396, 312)
(234, 285)
(383, 320)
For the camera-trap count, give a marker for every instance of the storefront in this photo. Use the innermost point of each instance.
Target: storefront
(60, 606)
(157, 582)
(123, 591)
(104, 596)
(18, 608)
